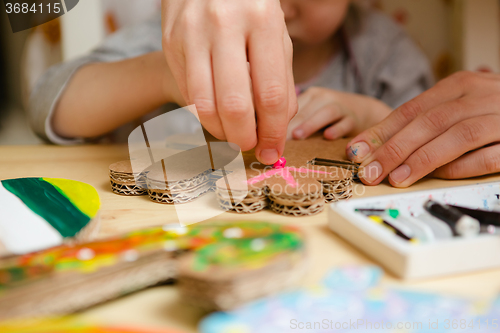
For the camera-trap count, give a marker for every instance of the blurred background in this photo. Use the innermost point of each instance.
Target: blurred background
(454, 34)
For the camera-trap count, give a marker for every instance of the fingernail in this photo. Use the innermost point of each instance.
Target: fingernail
(358, 151)
(371, 172)
(269, 156)
(298, 134)
(401, 174)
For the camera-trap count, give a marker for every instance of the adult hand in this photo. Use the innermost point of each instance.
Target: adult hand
(233, 60)
(346, 113)
(451, 130)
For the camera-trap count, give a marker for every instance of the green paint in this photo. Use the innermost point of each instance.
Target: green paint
(394, 213)
(45, 200)
(82, 195)
(238, 252)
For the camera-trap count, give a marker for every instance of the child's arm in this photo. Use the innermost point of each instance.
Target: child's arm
(346, 113)
(103, 96)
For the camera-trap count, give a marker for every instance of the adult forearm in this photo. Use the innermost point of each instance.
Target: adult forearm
(103, 96)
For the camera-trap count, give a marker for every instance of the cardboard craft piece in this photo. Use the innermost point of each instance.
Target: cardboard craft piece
(39, 213)
(123, 180)
(181, 177)
(219, 266)
(299, 189)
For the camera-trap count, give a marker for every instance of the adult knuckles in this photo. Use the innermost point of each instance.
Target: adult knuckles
(451, 171)
(468, 80)
(225, 14)
(205, 106)
(410, 110)
(189, 23)
(495, 98)
(462, 76)
(393, 152)
(273, 97)
(424, 157)
(221, 15)
(234, 107)
(265, 12)
(436, 120)
(469, 133)
(491, 161)
(270, 136)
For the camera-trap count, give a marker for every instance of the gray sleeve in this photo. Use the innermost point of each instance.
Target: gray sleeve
(392, 67)
(127, 43)
(405, 74)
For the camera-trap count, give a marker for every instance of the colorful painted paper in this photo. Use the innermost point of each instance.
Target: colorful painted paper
(38, 213)
(350, 300)
(70, 325)
(243, 244)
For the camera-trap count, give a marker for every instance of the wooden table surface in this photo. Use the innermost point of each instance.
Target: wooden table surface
(161, 306)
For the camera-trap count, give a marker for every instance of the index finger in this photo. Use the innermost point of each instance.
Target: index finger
(232, 90)
(268, 65)
(363, 145)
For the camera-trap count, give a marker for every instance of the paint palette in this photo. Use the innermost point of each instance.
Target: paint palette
(439, 255)
(39, 213)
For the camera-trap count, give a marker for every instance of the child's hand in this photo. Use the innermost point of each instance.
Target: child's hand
(348, 114)
(208, 45)
(451, 130)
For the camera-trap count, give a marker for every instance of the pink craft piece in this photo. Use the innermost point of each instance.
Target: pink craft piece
(280, 164)
(283, 173)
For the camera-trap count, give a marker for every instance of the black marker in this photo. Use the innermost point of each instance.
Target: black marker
(483, 216)
(339, 164)
(461, 224)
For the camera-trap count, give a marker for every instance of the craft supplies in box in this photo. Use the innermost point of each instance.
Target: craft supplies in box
(413, 239)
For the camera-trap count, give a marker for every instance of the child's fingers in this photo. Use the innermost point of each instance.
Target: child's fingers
(303, 100)
(477, 163)
(342, 128)
(232, 89)
(459, 139)
(271, 86)
(201, 91)
(317, 120)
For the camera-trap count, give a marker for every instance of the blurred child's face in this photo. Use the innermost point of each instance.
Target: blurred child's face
(312, 22)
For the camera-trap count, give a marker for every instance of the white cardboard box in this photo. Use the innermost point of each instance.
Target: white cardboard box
(423, 260)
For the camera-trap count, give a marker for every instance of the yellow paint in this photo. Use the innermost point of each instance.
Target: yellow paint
(376, 219)
(82, 195)
(379, 220)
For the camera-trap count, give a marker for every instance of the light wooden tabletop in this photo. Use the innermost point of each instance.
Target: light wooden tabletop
(161, 306)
